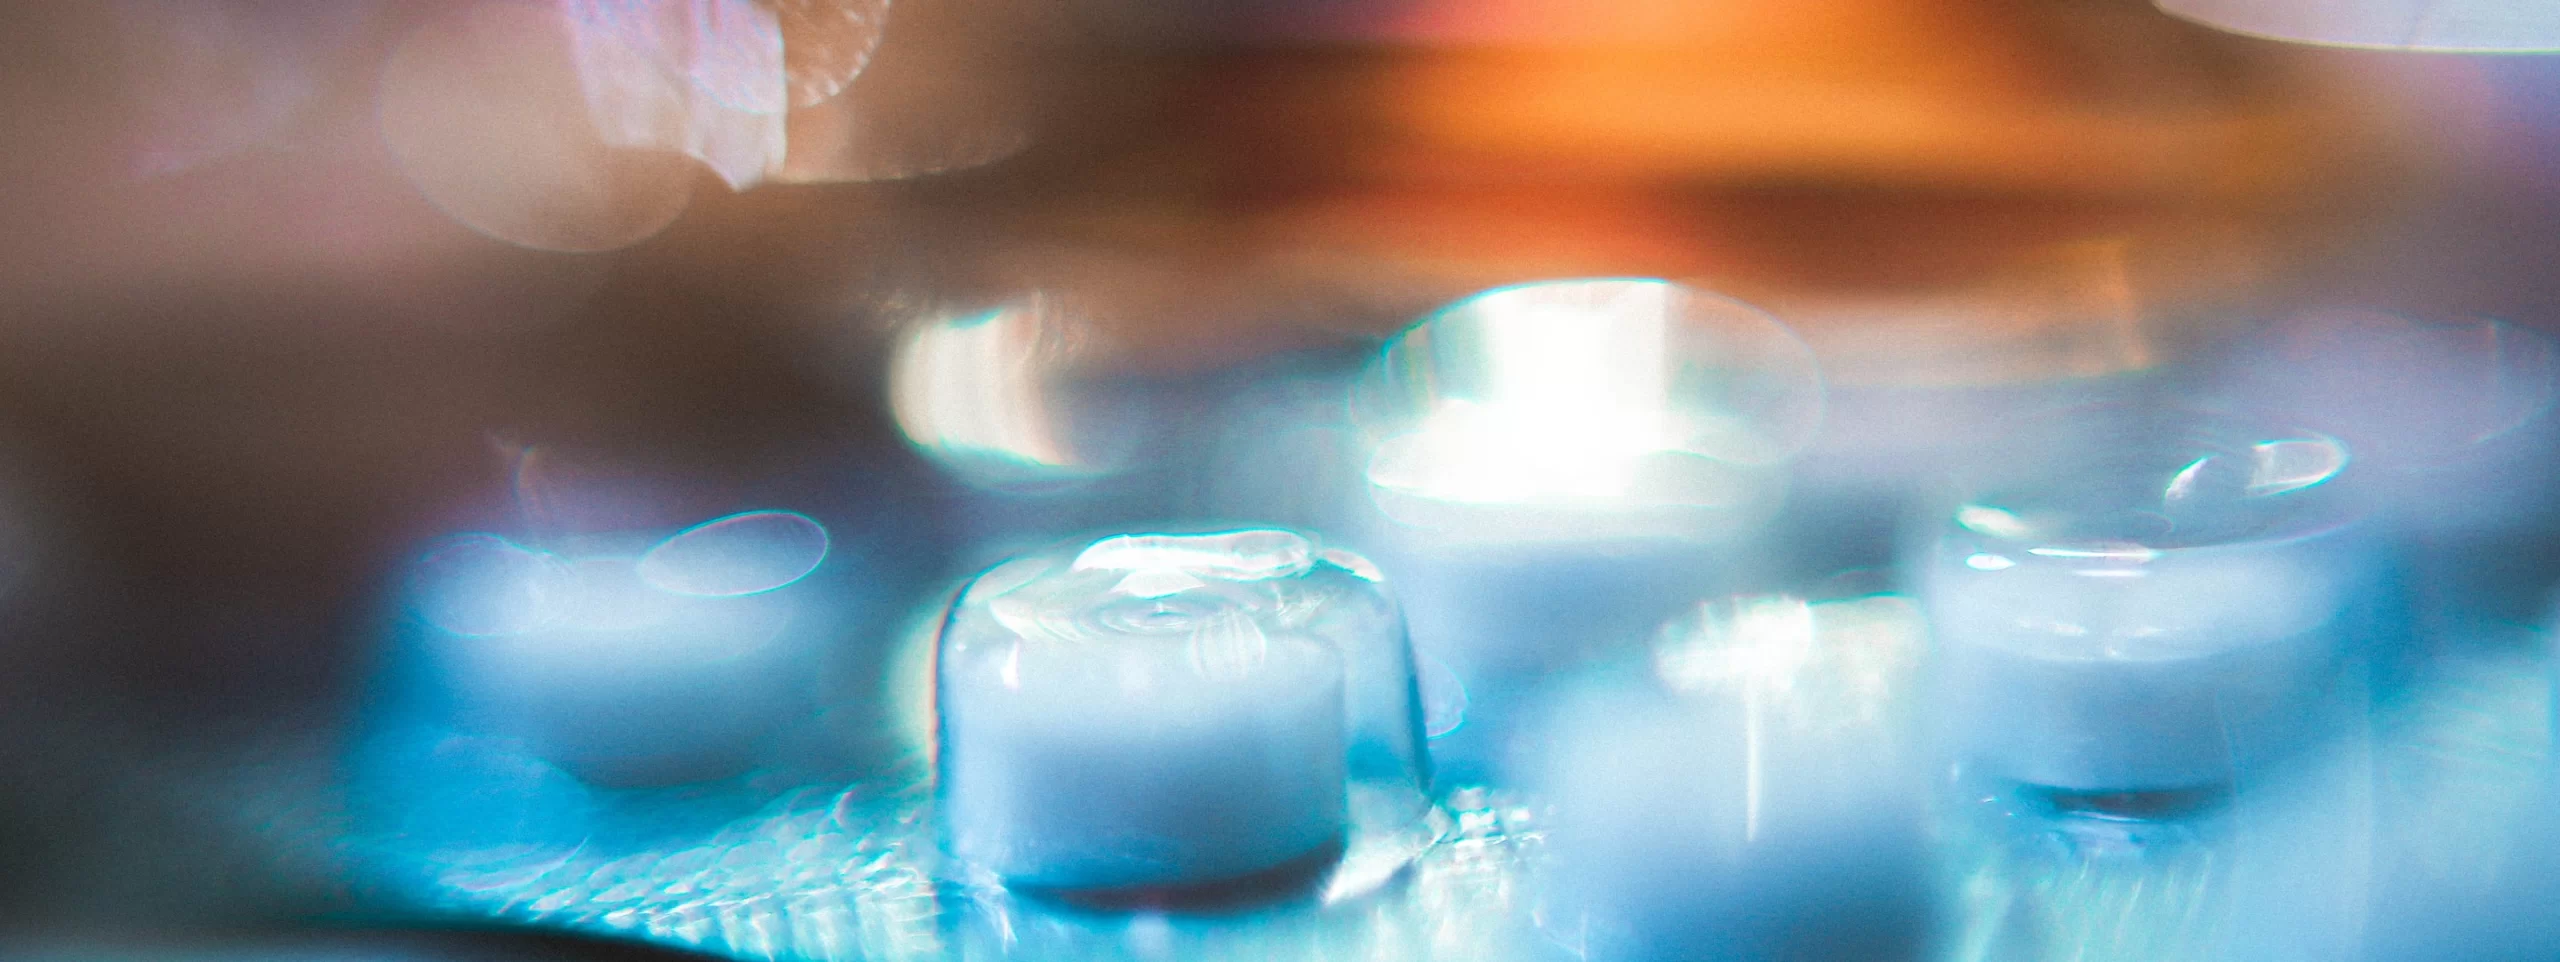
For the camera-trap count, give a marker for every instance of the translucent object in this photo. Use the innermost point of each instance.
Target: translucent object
(1767, 811)
(742, 554)
(665, 666)
(1558, 467)
(485, 108)
(1166, 712)
(2143, 600)
(2441, 25)
(1624, 405)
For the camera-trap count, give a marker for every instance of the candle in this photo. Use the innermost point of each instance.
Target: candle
(671, 664)
(2161, 611)
(1167, 712)
(1758, 804)
(1557, 467)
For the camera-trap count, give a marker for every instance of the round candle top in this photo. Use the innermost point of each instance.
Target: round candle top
(1169, 710)
(1176, 620)
(1624, 396)
(2116, 557)
(692, 597)
(1170, 626)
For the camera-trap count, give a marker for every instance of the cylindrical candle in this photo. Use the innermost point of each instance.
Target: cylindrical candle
(2151, 604)
(1162, 712)
(1559, 466)
(671, 664)
(1766, 812)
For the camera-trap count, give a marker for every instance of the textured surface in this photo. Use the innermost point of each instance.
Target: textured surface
(2286, 867)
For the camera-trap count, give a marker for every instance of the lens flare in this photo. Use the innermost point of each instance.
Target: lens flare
(989, 398)
(1587, 395)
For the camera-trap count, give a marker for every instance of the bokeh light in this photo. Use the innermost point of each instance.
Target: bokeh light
(992, 398)
(486, 111)
(1588, 396)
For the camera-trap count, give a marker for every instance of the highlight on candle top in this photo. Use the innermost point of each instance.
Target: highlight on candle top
(2143, 599)
(2483, 26)
(1154, 714)
(1634, 398)
(991, 398)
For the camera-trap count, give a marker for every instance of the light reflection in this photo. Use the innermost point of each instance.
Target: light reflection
(986, 397)
(702, 78)
(479, 585)
(486, 586)
(1748, 813)
(1844, 658)
(485, 107)
(673, 665)
(2438, 25)
(742, 554)
(825, 43)
(730, 50)
(956, 90)
(1587, 394)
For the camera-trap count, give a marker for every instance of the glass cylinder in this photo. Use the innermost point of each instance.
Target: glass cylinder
(2135, 600)
(1155, 713)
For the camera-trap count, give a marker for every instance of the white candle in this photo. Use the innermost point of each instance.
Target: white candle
(669, 665)
(1766, 812)
(1557, 467)
(1166, 711)
(2109, 635)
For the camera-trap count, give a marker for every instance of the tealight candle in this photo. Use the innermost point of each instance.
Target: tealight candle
(1557, 467)
(1758, 806)
(1163, 712)
(665, 665)
(2166, 608)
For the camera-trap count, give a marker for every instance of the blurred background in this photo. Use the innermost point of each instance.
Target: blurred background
(290, 289)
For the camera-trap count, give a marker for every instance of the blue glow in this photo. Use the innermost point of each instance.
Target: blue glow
(482, 585)
(742, 554)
